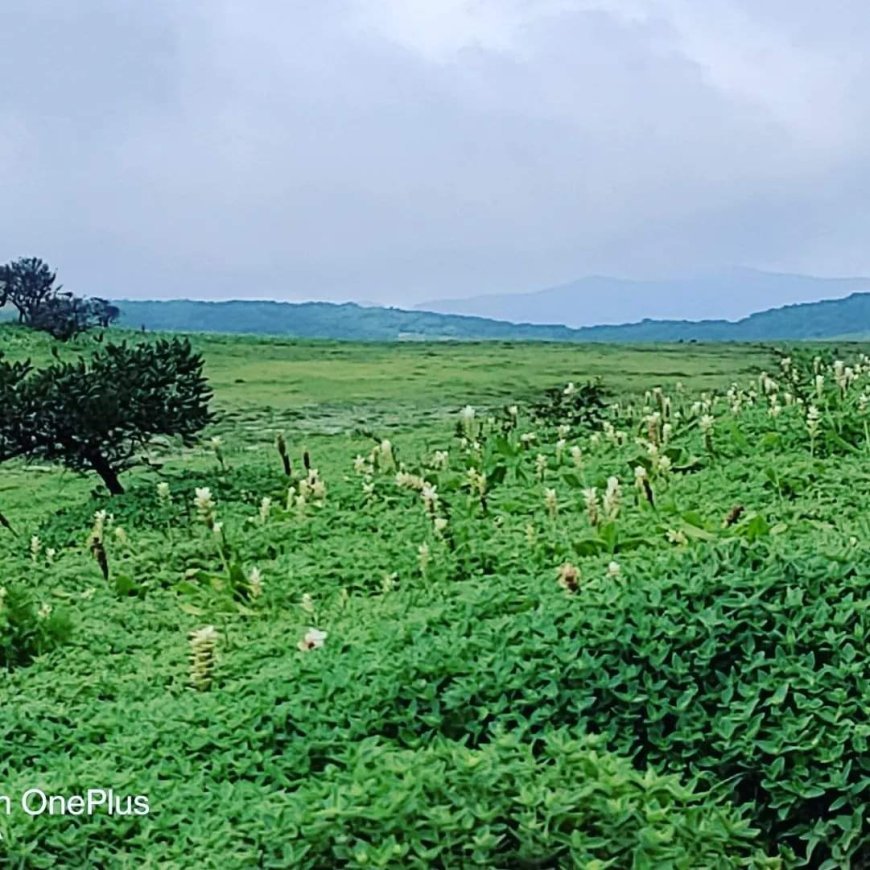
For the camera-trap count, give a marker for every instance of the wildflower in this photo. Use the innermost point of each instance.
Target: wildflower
(564, 430)
(281, 446)
(120, 535)
(368, 488)
(528, 438)
(440, 525)
(590, 496)
(551, 502)
(99, 553)
(569, 577)
(50, 553)
(577, 456)
(540, 466)
(313, 639)
(423, 556)
(255, 583)
(360, 465)
(531, 534)
(667, 431)
(653, 424)
(318, 489)
(705, 424)
(467, 421)
(440, 459)
(203, 644)
(307, 603)
(813, 417)
(204, 504)
(613, 569)
(677, 537)
(560, 449)
(641, 481)
(217, 529)
(570, 390)
(35, 547)
(101, 520)
(216, 445)
(820, 385)
(164, 496)
(476, 481)
(513, 411)
(409, 481)
(611, 499)
(44, 611)
(429, 494)
(663, 463)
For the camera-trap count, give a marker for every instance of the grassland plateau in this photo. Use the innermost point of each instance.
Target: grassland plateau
(422, 605)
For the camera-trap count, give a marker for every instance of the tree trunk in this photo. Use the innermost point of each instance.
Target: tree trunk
(109, 475)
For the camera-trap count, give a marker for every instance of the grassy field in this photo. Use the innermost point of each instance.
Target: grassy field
(458, 639)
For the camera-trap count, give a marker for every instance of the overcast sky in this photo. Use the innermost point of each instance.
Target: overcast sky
(402, 150)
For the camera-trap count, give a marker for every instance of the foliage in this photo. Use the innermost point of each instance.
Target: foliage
(582, 406)
(28, 284)
(644, 644)
(561, 802)
(27, 630)
(98, 414)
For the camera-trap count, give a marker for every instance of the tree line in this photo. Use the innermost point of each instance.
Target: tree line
(30, 286)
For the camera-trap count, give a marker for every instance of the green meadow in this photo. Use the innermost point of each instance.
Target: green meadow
(467, 622)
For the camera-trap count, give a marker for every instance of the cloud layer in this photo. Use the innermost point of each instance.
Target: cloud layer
(399, 150)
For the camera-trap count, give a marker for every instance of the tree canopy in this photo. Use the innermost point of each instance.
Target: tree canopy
(28, 284)
(98, 414)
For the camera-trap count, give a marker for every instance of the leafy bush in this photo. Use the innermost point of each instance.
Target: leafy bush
(561, 802)
(742, 666)
(583, 407)
(26, 630)
(97, 414)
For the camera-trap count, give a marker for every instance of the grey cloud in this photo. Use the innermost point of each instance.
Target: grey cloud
(349, 150)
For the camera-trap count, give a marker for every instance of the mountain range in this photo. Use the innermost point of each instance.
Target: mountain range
(843, 318)
(732, 294)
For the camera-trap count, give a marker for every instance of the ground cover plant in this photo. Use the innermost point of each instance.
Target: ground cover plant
(477, 628)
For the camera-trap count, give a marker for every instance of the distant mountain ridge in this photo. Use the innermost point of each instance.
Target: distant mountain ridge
(733, 294)
(831, 318)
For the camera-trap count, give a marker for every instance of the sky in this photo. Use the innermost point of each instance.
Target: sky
(395, 151)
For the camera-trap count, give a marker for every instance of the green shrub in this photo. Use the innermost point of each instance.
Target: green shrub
(26, 630)
(583, 407)
(558, 803)
(742, 665)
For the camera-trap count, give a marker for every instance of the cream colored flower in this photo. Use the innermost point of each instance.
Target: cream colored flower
(314, 639)
(255, 583)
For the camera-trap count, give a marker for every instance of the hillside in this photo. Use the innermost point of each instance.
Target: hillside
(731, 295)
(815, 320)
(325, 320)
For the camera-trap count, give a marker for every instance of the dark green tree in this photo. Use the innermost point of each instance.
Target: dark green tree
(98, 414)
(27, 283)
(63, 316)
